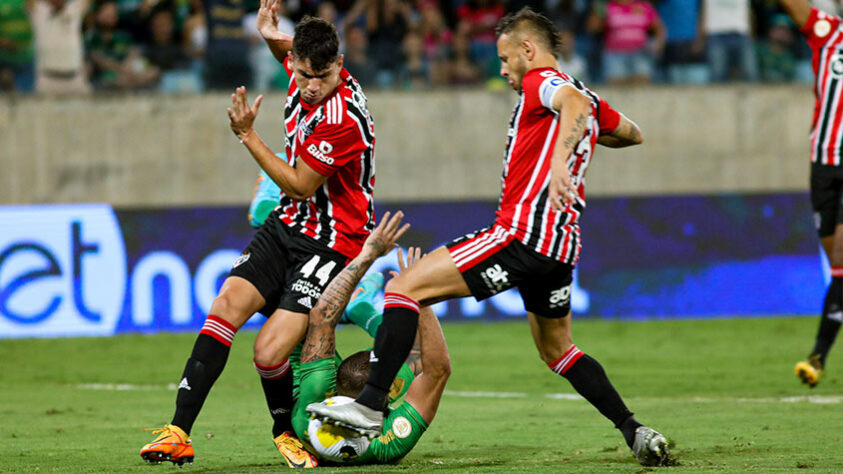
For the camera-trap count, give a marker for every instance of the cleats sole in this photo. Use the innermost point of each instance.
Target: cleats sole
(363, 431)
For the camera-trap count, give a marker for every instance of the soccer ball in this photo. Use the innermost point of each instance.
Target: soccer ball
(333, 442)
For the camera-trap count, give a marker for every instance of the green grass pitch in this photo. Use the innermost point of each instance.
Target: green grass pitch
(722, 390)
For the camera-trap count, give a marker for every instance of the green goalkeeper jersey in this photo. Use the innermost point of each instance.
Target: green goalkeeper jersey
(401, 429)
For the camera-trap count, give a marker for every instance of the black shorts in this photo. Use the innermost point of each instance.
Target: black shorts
(289, 269)
(826, 194)
(492, 260)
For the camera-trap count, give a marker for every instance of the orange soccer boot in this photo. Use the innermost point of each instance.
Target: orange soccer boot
(293, 451)
(172, 444)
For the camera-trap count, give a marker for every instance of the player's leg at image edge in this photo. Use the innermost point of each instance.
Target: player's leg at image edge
(206, 363)
(811, 370)
(589, 379)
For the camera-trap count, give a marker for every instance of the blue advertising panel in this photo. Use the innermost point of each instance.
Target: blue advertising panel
(72, 270)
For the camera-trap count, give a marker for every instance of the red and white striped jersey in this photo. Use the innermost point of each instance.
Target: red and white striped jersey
(336, 138)
(825, 36)
(524, 208)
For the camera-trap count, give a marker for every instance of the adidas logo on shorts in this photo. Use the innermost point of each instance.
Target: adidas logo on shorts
(306, 302)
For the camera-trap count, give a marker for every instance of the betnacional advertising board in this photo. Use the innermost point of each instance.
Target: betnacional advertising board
(90, 270)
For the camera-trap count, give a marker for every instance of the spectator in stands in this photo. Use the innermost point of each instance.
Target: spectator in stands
(463, 69)
(437, 40)
(776, 60)
(387, 21)
(356, 60)
(684, 51)
(227, 52)
(17, 56)
(59, 54)
(628, 54)
(477, 22)
(569, 61)
(414, 72)
(194, 36)
(115, 62)
(728, 41)
(169, 55)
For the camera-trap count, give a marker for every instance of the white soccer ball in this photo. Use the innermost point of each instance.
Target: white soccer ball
(335, 443)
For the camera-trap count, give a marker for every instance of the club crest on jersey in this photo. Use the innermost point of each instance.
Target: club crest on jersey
(241, 260)
(308, 125)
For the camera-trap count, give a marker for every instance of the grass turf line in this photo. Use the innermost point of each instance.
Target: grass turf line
(713, 387)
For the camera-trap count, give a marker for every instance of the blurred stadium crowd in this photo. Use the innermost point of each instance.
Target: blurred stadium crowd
(72, 46)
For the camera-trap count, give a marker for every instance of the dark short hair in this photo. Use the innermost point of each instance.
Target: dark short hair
(538, 23)
(317, 41)
(352, 374)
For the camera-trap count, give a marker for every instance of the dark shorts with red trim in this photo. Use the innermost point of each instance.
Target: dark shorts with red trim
(826, 194)
(492, 260)
(289, 269)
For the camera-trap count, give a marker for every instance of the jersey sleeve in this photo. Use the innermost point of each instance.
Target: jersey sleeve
(402, 430)
(540, 86)
(331, 147)
(819, 28)
(318, 381)
(608, 118)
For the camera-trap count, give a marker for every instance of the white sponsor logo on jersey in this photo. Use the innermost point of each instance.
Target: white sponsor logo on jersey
(321, 152)
(560, 297)
(497, 277)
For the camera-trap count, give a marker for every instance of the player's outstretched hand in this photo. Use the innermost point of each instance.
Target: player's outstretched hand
(241, 117)
(382, 240)
(413, 256)
(267, 21)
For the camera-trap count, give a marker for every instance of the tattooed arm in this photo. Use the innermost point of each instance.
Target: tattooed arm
(627, 134)
(320, 342)
(574, 109)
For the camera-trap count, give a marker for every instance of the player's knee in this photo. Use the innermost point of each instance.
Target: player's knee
(401, 286)
(265, 353)
(225, 307)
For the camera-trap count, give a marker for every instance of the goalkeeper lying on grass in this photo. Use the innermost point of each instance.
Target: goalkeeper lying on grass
(321, 376)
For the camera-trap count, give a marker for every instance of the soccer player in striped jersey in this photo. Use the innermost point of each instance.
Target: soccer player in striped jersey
(324, 216)
(533, 243)
(825, 36)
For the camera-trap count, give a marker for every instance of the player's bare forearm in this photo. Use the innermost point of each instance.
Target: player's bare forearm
(320, 342)
(414, 359)
(434, 350)
(627, 134)
(799, 11)
(573, 109)
(279, 45)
